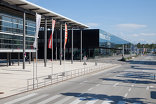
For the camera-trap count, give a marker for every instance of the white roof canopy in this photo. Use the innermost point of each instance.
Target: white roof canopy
(45, 13)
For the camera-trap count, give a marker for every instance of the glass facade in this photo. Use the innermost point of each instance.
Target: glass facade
(11, 30)
(108, 40)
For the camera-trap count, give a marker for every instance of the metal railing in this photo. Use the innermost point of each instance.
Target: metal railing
(60, 77)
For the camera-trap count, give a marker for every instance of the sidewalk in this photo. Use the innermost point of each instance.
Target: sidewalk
(14, 78)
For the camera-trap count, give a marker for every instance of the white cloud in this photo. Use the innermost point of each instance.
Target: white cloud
(144, 34)
(130, 26)
(93, 24)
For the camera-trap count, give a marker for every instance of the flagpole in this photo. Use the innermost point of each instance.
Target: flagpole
(64, 59)
(64, 48)
(52, 49)
(35, 44)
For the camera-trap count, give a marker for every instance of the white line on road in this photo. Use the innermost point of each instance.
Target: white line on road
(147, 88)
(62, 101)
(90, 89)
(151, 86)
(49, 99)
(92, 102)
(107, 102)
(132, 85)
(98, 85)
(76, 101)
(20, 99)
(115, 84)
(129, 89)
(126, 95)
(35, 99)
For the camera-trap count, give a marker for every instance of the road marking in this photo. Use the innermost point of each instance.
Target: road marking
(121, 102)
(98, 85)
(126, 95)
(81, 83)
(115, 84)
(90, 89)
(92, 102)
(147, 88)
(107, 102)
(103, 81)
(49, 99)
(85, 81)
(76, 101)
(64, 100)
(132, 85)
(20, 99)
(129, 89)
(35, 99)
(151, 86)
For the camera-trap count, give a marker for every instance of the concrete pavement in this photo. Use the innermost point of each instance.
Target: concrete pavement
(133, 83)
(13, 79)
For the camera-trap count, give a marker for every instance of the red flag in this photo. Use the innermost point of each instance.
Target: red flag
(50, 39)
(66, 35)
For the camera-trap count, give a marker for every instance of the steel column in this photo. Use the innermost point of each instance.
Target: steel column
(24, 17)
(61, 45)
(72, 47)
(7, 59)
(81, 45)
(29, 57)
(123, 53)
(45, 43)
(56, 45)
(130, 50)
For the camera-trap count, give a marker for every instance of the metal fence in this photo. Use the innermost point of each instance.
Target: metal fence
(60, 77)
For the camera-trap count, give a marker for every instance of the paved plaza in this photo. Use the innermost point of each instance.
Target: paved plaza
(13, 79)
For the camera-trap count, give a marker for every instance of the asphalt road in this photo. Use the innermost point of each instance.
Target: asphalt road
(132, 83)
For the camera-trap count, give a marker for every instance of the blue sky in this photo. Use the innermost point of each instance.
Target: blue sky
(133, 20)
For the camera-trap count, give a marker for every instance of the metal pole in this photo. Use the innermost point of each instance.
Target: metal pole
(29, 57)
(36, 56)
(64, 50)
(81, 46)
(56, 45)
(72, 47)
(123, 54)
(7, 59)
(24, 17)
(52, 49)
(45, 43)
(61, 45)
(130, 50)
(18, 58)
(33, 75)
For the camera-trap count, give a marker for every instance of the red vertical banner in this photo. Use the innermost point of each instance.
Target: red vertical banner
(66, 36)
(50, 39)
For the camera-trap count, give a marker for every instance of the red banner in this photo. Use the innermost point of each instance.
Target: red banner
(50, 39)
(66, 35)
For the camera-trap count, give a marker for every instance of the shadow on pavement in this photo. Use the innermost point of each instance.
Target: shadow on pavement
(142, 62)
(138, 68)
(129, 81)
(113, 99)
(139, 75)
(153, 94)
